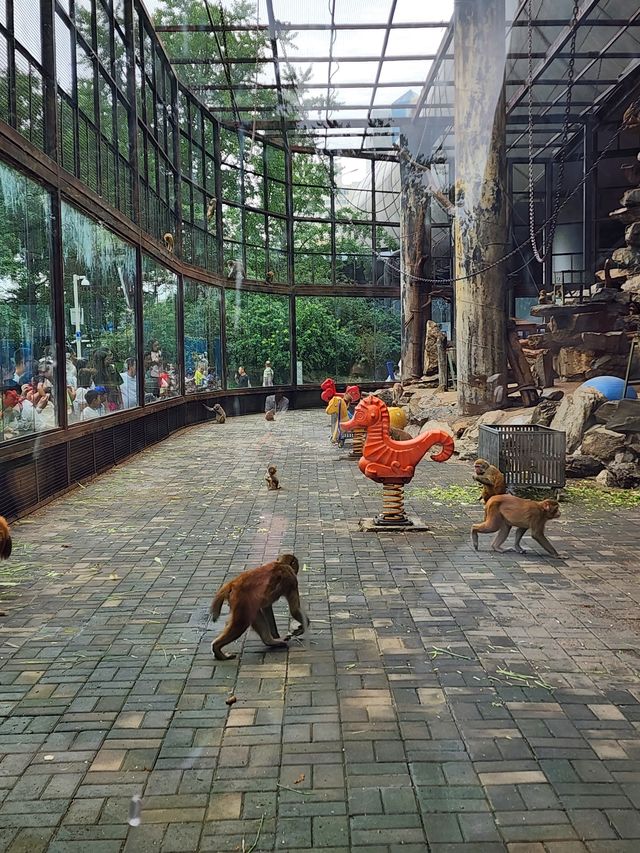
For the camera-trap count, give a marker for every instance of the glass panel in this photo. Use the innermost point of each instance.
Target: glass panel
(348, 338)
(26, 339)
(202, 340)
(159, 317)
(258, 348)
(99, 305)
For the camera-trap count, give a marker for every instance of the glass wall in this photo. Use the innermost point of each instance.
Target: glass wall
(27, 347)
(99, 309)
(258, 341)
(348, 338)
(160, 330)
(202, 337)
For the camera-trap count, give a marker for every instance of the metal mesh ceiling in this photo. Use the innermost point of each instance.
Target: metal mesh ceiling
(349, 73)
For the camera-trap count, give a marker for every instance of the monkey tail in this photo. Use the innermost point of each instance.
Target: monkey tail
(5, 540)
(208, 408)
(218, 601)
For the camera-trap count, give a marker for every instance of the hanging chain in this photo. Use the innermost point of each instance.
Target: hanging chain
(541, 253)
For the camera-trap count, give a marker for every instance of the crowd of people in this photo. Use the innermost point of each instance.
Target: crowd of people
(94, 386)
(98, 385)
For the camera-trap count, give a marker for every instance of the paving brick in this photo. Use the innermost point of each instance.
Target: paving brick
(354, 738)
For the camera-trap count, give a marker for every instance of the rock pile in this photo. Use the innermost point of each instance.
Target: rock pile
(603, 438)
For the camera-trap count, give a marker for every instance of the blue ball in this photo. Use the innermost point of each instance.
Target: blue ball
(611, 386)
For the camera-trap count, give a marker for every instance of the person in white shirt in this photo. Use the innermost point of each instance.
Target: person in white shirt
(129, 387)
(267, 376)
(94, 407)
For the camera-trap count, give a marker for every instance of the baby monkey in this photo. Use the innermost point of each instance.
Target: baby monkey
(251, 596)
(493, 482)
(502, 512)
(273, 483)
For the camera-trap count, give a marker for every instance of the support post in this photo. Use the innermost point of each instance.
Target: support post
(415, 241)
(481, 224)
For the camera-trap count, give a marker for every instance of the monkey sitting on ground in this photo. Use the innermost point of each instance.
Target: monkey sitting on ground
(5, 540)
(396, 393)
(273, 483)
(493, 482)
(218, 411)
(502, 512)
(270, 415)
(251, 596)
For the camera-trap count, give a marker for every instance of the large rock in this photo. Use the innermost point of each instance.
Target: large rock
(544, 412)
(386, 395)
(626, 475)
(574, 414)
(626, 417)
(605, 478)
(607, 365)
(631, 198)
(604, 412)
(632, 234)
(552, 394)
(431, 338)
(609, 342)
(627, 257)
(425, 405)
(579, 466)
(572, 363)
(602, 444)
(436, 425)
(632, 285)
(460, 425)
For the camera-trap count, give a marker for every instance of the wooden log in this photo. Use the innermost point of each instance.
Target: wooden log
(520, 367)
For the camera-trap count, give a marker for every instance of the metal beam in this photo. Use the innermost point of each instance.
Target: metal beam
(433, 71)
(584, 10)
(385, 42)
(285, 28)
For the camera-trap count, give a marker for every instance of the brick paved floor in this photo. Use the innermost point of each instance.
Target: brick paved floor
(357, 737)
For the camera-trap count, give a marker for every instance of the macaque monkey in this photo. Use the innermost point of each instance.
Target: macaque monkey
(211, 209)
(270, 415)
(270, 276)
(543, 298)
(169, 242)
(218, 411)
(236, 270)
(502, 512)
(273, 483)
(492, 480)
(251, 596)
(5, 540)
(396, 393)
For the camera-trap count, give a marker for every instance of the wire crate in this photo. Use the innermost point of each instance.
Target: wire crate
(529, 456)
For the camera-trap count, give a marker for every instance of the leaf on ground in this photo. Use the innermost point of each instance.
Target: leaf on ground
(113, 577)
(157, 560)
(300, 778)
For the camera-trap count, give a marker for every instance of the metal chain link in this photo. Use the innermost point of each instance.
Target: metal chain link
(541, 253)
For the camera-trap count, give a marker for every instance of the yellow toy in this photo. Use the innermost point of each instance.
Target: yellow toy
(338, 410)
(397, 417)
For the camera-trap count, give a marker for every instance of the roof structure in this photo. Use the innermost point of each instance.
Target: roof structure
(348, 74)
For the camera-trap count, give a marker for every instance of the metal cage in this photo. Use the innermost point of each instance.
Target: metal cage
(529, 456)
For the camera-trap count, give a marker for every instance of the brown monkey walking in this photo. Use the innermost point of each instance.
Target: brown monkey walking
(251, 596)
(492, 480)
(5, 540)
(502, 512)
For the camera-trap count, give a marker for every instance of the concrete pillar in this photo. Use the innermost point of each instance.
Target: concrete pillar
(481, 222)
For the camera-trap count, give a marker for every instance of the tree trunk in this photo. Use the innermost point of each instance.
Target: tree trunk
(481, 225)
(414, 229)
